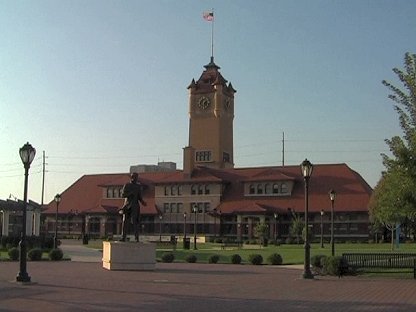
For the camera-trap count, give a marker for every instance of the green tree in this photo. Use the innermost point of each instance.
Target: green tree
(297, 226)
(262, 231)
(394, 198)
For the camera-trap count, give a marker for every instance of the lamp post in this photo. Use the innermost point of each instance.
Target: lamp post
(160, 227)
(195, 210)
(275, 225)
(55, 239)
(27, 154)
(184, 226)
(215, 222)
(307, 168)
(322, 228)
(332, 195)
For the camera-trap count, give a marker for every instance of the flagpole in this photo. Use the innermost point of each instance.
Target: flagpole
(212, 35)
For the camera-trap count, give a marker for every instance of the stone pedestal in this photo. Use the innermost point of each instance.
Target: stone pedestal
(129, 256)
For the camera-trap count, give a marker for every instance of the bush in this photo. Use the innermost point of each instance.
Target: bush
(255, 259)
(317, 261)
(218, 240)
(168, 257)
(190, 258)
(236, 259)
(4, 241)
(35, 254)
(13, 253)
(275, 259)
(335, 266)
(213, 259)
(56, 254)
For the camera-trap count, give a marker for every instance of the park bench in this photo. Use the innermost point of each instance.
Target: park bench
(381, 260)
(231, 244)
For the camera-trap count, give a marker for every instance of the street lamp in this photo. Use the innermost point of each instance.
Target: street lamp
(195, 210)
(160, 227)
(215, 222)
(332, 195)
(27, 154)
(322, 228)
(55, 239)
(307, 168)
(275, 225)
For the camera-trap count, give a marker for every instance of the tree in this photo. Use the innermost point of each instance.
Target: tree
(297, 226)
(261, 231)
(394, 198)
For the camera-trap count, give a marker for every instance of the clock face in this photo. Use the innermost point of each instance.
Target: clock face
(203, 102)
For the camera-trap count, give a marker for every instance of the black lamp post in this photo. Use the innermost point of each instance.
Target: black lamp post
(195, 211)
(215, 222)
(322, 228)
(307, 168)
(275, 225)
(55, 239)
(332, 195)
(184, 225)
(160, 227)
(27, 154)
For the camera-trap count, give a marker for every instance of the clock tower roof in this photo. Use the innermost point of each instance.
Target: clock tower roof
(210, 78)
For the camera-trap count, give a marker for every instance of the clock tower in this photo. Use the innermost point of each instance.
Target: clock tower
(211, 115)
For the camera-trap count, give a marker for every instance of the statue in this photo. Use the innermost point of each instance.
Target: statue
(131, 208)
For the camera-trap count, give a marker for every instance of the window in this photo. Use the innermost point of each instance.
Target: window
(166, 191)
(193, 189)
(259, 188)
(203, 156)
(173, 190)
(179, 189)
(166, 207)
(284, 188)
(275, 188)
(207, 190)
(252, 189)
(225, 157)
(109, 192)
(200, 189)
(267, 188)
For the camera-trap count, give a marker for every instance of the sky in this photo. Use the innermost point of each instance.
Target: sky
(99, 86)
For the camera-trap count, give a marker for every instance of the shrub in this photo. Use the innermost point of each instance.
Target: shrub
(255, 259)
(35, 254)
(213, 259)
(190, 258)
(236, 259)
(168, 257)
(275, 259)
(56, 254)
(13, 253)
(317, 261)
(335, 266)
(4, 241)
(219, 240)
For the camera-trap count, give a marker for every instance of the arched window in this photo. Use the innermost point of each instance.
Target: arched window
(267, 188)
(109, 192)
(193, 189)
(284, 188)
(166, 191)
(275, 188)
(259, 188)
(252, 189)
(200, 189)
(207, 190)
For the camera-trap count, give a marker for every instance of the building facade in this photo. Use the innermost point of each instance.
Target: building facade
(210, 197)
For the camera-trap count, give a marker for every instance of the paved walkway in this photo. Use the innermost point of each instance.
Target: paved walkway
(86, 286)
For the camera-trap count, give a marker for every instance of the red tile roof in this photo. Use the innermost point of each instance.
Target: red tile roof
(353, 193)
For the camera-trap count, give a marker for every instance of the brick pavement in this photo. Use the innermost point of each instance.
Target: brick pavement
(86, 286)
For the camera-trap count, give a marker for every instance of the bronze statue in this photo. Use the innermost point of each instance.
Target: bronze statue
(131, 208)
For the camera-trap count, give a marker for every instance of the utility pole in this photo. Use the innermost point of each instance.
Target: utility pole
(43, 177)
(283, 150)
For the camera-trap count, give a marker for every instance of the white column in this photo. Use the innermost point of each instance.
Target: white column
(5, 225)
(36, 223)
(29, 223)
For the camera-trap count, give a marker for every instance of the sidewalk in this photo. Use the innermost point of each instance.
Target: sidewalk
(86, 286)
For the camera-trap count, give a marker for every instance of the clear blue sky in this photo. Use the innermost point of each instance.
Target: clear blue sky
(81, 79)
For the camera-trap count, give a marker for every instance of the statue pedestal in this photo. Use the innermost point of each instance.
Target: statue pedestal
(129, 256)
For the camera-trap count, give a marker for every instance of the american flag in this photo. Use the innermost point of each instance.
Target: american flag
(208, 16)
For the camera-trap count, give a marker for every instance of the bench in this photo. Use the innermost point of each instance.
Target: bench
(381, 260)
(231, 244)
